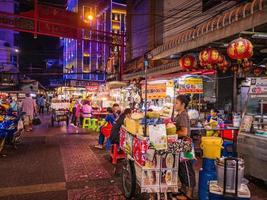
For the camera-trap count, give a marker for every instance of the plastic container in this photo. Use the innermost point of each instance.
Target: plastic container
(211, 147)
(227, 149)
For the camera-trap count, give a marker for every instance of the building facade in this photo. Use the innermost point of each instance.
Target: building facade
(90, 59)
(169, 29)
(9, 40)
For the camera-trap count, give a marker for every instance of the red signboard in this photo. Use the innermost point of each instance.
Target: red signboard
(92, 88)
(59, 30)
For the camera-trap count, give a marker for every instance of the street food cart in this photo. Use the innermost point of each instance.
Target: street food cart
(60, 111)
(153, 170)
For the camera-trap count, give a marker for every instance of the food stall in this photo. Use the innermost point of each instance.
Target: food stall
(252, 138)
(160, 95)
(60, 111)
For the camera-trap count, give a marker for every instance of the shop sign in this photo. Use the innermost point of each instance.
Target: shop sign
(258, 86)
(92, 88)
(155, 91)
(190, 85)
(81, 83)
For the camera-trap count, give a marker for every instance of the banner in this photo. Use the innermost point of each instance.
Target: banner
(190, 85)
(258, 86)
(155, 91)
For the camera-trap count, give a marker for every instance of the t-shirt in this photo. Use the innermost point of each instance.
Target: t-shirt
(115, 131)
(86, 110)
(182, 121)
(110, 118)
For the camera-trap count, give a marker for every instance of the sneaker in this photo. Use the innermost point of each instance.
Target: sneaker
(99, 146)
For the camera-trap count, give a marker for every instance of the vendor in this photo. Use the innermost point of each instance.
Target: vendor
(213, 122)
(115, 131)
(186, 171)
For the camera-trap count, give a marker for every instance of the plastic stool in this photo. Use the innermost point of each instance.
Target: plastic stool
(115, 155)
(94, 124)
(86, 122)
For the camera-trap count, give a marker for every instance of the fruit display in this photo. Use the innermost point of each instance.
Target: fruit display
(153, 114)
(171, 129)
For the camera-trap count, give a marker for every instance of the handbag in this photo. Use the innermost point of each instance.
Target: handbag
(36, 121)
(181, 145)
(106, 129)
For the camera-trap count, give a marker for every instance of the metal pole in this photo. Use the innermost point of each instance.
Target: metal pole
(122, 59)
(146, 65)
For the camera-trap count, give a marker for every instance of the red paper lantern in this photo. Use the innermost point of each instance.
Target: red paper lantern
(188, 62)
(209, 58)
(224, 65)
(240, 49)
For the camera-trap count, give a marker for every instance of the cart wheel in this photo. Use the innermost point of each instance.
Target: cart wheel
(128, 178)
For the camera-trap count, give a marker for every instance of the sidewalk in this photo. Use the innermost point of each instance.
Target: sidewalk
(59, 164)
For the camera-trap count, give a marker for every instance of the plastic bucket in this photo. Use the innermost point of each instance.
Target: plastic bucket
(211, 147)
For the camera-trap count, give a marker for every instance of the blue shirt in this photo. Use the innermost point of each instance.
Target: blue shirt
(110, 118)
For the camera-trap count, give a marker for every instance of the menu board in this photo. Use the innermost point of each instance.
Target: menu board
(155, 91)
(190, 85)
(258, 85)
(246, 123)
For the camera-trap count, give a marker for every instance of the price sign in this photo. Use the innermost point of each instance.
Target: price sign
(190, 85)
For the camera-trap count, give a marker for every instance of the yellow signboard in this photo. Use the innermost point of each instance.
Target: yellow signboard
(155, 91)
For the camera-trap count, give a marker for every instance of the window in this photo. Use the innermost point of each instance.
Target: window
(86, 60)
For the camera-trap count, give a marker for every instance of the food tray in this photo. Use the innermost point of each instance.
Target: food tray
(147, 179)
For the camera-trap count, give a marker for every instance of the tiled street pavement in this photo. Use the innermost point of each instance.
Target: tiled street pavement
(61, 164)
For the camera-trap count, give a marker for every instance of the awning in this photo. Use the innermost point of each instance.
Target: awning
(241, 18)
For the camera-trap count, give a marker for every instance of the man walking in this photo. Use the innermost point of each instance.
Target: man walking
(29, 107)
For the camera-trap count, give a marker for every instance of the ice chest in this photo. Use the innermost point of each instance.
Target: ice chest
(211, 147)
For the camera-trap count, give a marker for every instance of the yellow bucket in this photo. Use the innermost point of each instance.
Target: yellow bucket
(211, 147)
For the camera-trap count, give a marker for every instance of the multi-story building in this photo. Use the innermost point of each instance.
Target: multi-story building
(92, 55)
(169, 29)
(9, 40)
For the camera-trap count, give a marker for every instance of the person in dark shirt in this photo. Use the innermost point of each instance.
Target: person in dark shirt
(186, 171)
(115, 131)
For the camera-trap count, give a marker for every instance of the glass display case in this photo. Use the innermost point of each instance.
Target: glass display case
(252, 138)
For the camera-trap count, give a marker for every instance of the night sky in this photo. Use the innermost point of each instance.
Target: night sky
(34, 52)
